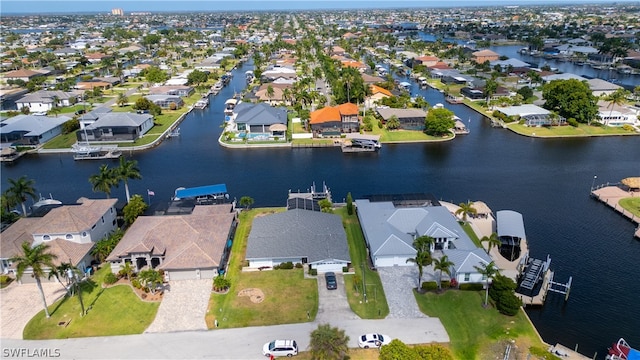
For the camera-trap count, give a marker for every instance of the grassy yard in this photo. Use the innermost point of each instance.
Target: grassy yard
(631, 204)
(287, 295)
(114, 311)
(472, 234)
(318, 142)
(475, 331)
(402, 135)
(555, 131)
(61, 141)
(376, 307)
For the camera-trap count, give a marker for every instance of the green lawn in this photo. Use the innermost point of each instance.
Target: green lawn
(403, 135)
(287, 295)
(61, 141)
(114, 311)
(376, 306)
(318, 142)
(472, 234)
(474, 329)
(631, 204)
(556, 131)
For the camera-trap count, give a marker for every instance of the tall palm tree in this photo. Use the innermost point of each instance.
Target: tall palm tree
(466, 209)
(423, 243)
(128, 169)
(104, 180)
(20, 190)
(38, 259)
(442, 265)
(616, 98)
(488, 271)
(491, 240)
(422, 259)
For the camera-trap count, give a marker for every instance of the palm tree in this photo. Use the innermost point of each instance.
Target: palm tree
(20, 190)
(616, 98)
(465, 209)
(104, 180)
(127, 269)
(328, 342)
(151, 278)
(422, 259)
(122, 99)
(492, 240)
(37, 258)
(128, 169)
(442, 265)
(423, 243)
(488, 271)
(61, 271)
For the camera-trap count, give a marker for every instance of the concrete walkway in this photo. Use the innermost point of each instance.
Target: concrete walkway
(19, 303)
(183, 307)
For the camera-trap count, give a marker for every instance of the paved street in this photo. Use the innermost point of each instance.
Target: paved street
(242, 343)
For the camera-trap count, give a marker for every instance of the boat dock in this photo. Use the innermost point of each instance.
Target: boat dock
(611, 194)
(566, 353)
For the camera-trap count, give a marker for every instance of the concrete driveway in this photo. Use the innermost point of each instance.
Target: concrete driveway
(19, 303)
(183, 307)
(333, 304)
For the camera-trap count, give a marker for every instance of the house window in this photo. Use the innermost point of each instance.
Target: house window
(467, 276)
(68, 237)
(114, 222)
(111, 210)
(46, 237)
(84, 233)
(102, 219)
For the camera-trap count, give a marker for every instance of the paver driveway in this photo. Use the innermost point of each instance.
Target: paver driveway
(21, 302)
(398, 283)
(183, 307)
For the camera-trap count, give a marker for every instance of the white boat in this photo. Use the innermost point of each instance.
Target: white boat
(229, 105)
(202, 103)
(96, 153)
(174, 133)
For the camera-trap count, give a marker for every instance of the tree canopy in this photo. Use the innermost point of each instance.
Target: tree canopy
(439, 121)
(571, 99)
(328, 343)
(155, 75)
(197, 77)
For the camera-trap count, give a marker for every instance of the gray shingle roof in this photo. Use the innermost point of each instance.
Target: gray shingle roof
(32, 125)
(465, 261)
(261, 114)
(298, 233)
(120, 119)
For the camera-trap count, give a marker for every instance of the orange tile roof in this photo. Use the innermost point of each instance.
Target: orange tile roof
(324, 115)
(348, 108)
(352, 63)
(377, 89)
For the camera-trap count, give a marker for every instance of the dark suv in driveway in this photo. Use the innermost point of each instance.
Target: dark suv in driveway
(330, 278)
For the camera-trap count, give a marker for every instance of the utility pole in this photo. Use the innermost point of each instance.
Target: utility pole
(364, 285)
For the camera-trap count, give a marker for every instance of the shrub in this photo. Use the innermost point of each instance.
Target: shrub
(173, 106)
(221, 283)
(345, 269)
(509, 304)
(429, 285)
(471, 287)
(298, 266)
(110, 278)
(70, 126)
(454, 283)
(573, 122)
(5, 280)
(628, 127)
(501, 284)
(312, 271)
(445, 284)
(136, 283)
(433, 352)
(379, 124)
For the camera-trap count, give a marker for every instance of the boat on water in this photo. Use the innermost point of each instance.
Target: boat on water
(202, 103)
(174, 133)
(361, 145)
(217, 87)
(621, 350)
(95, 153)
(229, 105)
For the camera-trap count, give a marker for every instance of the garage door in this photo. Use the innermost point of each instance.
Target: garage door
(326, 267)
(392, 261)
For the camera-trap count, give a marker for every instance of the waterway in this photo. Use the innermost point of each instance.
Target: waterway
(546, 180)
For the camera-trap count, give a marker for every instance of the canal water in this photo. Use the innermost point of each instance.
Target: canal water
(547, 180)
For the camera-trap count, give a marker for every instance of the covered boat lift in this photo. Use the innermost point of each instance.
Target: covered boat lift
(510, 228)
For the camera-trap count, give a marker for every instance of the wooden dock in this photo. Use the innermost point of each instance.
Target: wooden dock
(566, 353)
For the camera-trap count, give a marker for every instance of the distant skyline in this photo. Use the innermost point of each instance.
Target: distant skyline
(105, 6)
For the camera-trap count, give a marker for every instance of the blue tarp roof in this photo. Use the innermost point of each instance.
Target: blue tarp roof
(201, 191)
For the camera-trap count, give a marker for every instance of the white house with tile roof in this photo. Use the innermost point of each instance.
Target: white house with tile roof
(70, 230)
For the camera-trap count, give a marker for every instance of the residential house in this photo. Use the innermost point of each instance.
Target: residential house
(335, 120)
(96, 57)
(466, 263)
(179, 90)
(31, 130)
(92, 84)
(370, 79)
(532, 115)
(45, 100)
(192, 246)
(410, 119)
(484, 55)
(377, 93)
(166, 101)
(616, 115)
(299, 236)
(260, 120)
(116, 126)
(278, 72)
(22, 74)
(355, 64)
(390, 229)
(601, 87)
(70, 230)
(426, 60)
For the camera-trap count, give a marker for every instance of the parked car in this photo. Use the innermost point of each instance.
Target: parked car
(373, 340)
(330, 278)
(280, 348)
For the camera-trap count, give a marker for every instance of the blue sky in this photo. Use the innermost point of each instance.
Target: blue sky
(76, 6)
